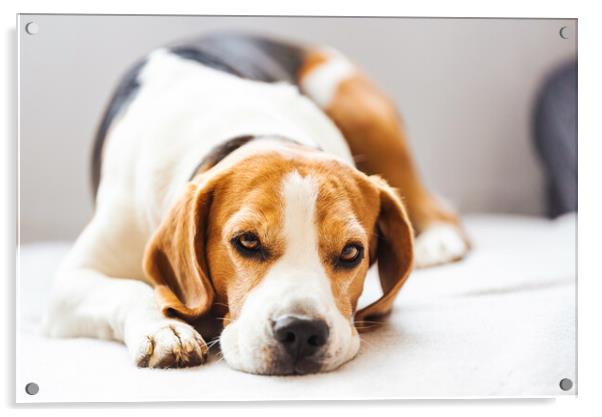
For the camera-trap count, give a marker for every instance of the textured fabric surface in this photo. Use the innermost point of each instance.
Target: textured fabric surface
(501, 323)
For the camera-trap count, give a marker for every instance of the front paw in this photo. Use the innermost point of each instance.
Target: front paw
(439, 244)
(168, 344)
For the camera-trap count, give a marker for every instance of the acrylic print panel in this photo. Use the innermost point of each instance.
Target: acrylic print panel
(232, 193)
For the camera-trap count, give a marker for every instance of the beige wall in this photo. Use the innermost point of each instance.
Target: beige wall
(464, 86)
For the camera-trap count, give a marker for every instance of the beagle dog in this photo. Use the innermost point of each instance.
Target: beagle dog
(244, 186)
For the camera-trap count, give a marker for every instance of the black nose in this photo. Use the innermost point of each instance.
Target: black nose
(300, 337)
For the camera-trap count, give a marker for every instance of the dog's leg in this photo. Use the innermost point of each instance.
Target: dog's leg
(375, 134)
(91, 298)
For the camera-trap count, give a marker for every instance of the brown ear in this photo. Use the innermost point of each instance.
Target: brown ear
(175, 259)
(395, 252)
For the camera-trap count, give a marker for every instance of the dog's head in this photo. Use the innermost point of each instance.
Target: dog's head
(283, 236)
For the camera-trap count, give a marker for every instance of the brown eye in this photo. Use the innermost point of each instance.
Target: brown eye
(249, 241)
(248, 245)
(351, 255)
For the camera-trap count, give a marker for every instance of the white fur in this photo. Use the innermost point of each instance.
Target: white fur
(439, 244)
(181, 111)
(296, 284)
(322, 82)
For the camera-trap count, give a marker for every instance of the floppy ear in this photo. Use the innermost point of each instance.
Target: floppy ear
(175, 259)
(395, 252)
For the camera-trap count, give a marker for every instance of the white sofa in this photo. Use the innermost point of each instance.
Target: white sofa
(501, 323)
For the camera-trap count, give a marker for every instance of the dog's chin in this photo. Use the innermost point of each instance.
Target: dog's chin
(258, 357)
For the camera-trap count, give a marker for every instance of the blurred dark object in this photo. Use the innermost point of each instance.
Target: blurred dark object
(555, 135)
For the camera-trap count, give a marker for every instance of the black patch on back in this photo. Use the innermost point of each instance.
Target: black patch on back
(125, 91)
(247, 56)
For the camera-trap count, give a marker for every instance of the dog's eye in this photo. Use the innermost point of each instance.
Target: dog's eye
(248, 241)
(248, 244)
(351, 255)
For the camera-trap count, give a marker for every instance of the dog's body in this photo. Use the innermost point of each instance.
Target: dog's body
(226, 180)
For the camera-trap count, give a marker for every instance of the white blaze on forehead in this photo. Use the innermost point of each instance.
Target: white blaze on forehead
(299, 195)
